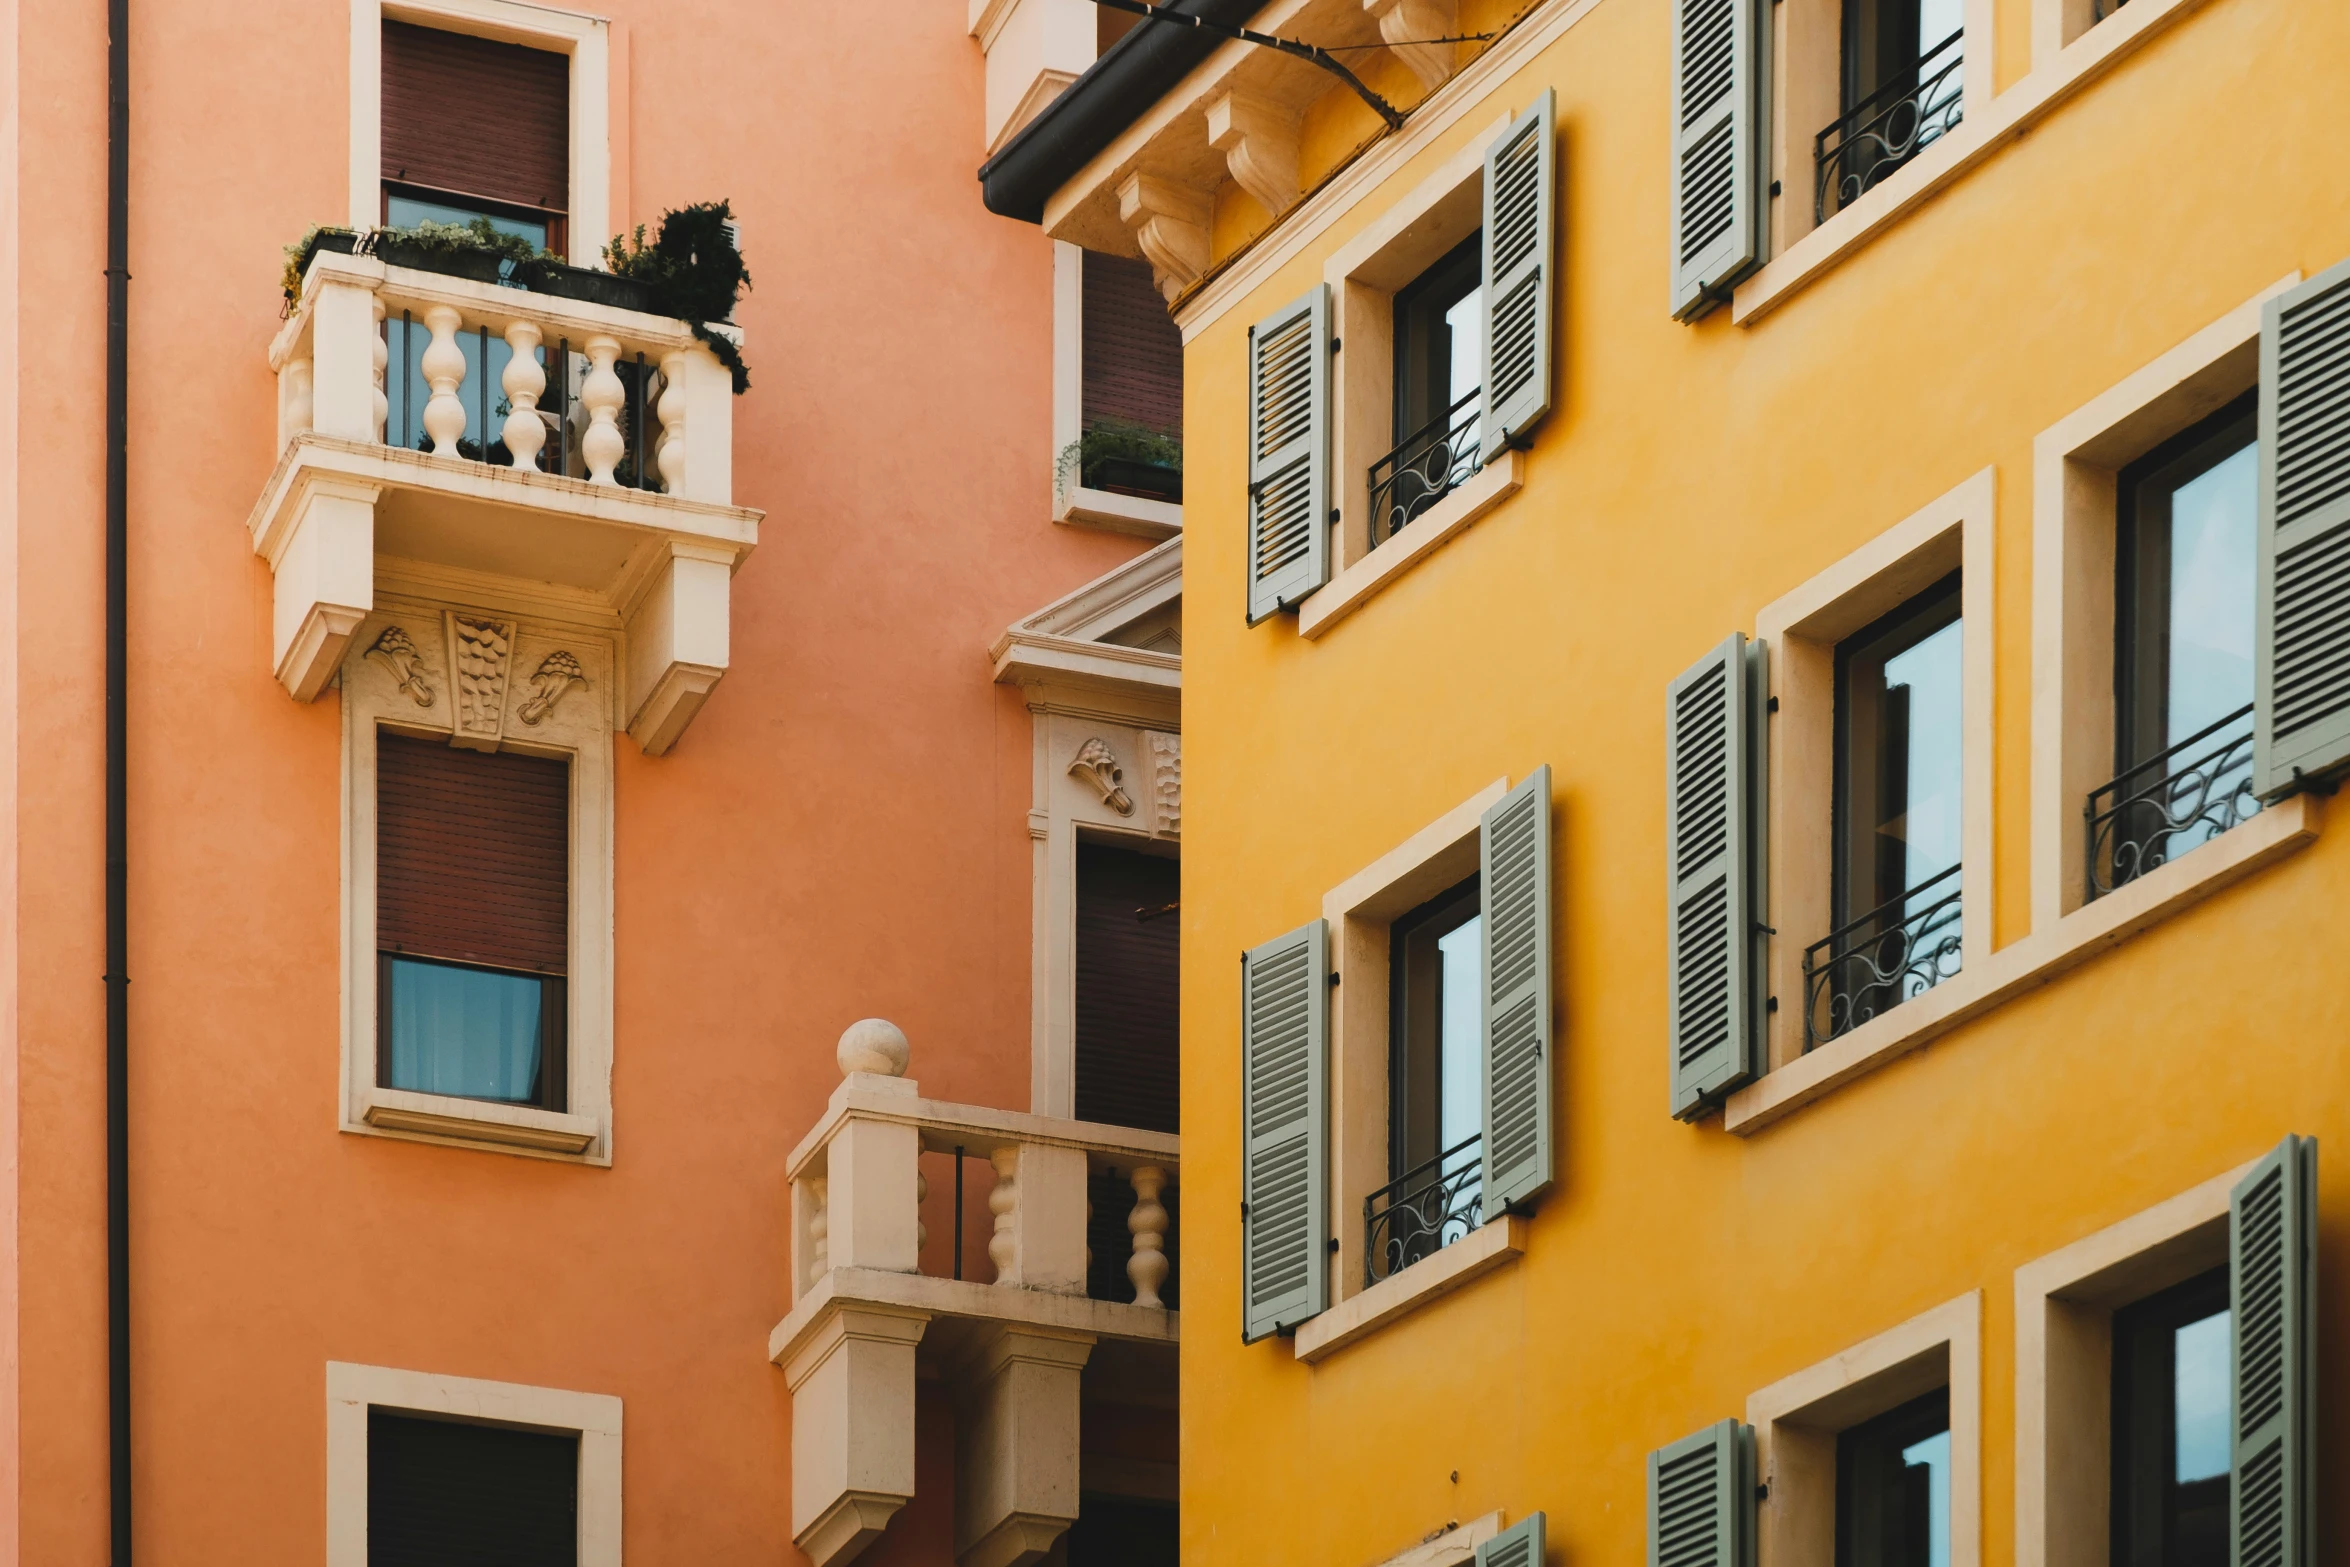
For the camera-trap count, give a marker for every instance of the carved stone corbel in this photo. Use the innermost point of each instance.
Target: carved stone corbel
(1097, 765)
(480, 653)
(1170, 223)
(400, 655)
(1407, 24)
(1258, 137)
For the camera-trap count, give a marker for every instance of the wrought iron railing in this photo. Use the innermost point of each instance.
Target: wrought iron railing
(1423, 1211)
(2168, 804)
(1433, 460)
(1892, 125)
(1873, 964)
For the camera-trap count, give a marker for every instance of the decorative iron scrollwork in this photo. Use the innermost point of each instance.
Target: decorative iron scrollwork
(1892, 125)
(1423, 1211)
(1432, 462)
(1898, 950)
(2165, 806)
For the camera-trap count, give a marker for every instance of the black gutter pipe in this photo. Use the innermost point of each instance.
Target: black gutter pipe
(118, 1013)
(1115, 91)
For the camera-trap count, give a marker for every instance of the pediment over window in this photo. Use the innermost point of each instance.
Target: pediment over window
(1121, 635)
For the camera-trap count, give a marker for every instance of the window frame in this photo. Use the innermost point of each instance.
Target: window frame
(1920, 1419)
(554, 1089)
(2140, 1433)
(1441, 915)
(577, 729)
(1416, 313)
(1077, 504)
(352, 1390)
(1909, 624)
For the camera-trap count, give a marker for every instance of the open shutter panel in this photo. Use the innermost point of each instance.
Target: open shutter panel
(2301, 645)
(1701, 1501)
(1520, 217)
(1514, 866)
(2272, 1296)
(1717, 148)
(1285, 1108)
(1289, 454)
(1709, 843)
(1520, 1545)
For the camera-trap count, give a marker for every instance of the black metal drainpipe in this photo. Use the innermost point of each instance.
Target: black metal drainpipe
(118, 1012)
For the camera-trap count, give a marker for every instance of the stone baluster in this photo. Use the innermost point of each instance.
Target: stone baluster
(672, 409)
(383, 364)
(1147, 1268)
(1004, 1203)
(524, 380)
(299, 397)
(819, 1224)
(443, 364)
(921, 1196)
(602, 394)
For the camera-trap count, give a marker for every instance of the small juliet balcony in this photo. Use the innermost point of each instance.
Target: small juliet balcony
(1080, 1249)
(600, 462)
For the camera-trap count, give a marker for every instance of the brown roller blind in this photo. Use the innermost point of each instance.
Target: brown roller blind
(472, 855)
(476, 117)
(1126, 972)
(1133, 354)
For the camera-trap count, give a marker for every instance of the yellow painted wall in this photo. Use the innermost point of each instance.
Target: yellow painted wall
(1689, 476)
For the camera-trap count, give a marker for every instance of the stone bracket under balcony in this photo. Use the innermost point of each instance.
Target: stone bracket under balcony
(341, 504)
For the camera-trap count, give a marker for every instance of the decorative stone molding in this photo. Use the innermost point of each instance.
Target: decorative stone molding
(1406, 24)
(401, 656)
(1166, 759)
(852, 1385)
(1258, 137)
(1097, 765)
(1147, 1268)
(1016, 1443)
(480, 650)
(1170, 223)
(557, 673)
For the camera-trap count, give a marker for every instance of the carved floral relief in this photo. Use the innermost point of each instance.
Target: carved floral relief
(557, 673)
(400, 655)
(1097, 765)
(479, 652)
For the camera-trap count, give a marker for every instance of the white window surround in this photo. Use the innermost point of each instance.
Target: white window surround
(1796, 1421)
(2064, 1306)
(2075, 466)
(1075, 502)
(586, 39)
(1992, 121)
(1953, 532)
(1081, 687)
(1359, 911)
(1439, 525)
(578, 728)
(1452, 1544)
(351, 1390)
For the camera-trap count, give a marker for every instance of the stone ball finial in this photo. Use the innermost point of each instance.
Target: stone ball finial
(873, 1044)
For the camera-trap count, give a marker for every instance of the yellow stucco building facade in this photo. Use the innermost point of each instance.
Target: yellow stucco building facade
(1897, 524)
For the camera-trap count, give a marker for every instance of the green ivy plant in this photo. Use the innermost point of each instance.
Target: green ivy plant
(478, 237)
(694, 271)
(1118, 440)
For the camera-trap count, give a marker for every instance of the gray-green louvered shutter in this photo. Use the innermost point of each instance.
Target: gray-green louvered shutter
(1289, 454)
(1711, 848)
(1514, 871)
(2301, 642)
(1701, 1499)
(1520, 1545)
(2272, 1299)
(1719, 166)
(1285, 1115)
(1520, 220)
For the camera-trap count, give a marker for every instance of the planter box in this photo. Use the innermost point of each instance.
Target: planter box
(586, 283)
(480, 266)
(1122, 476)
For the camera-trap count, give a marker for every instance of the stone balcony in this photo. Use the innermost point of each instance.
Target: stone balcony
(1013, 1349)
(596, 473)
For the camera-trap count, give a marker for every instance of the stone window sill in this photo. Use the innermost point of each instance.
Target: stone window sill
(2007, 117)
(1137, 515)
(480, 1123)
(1352, 588)
(1481, 1251)
(2282, 829)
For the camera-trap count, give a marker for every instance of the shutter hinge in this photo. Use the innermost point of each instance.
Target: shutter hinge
(1762, 1492)
(1334, 976)
(1333, 514)
(1772, 1005)
(1773, 705)
(1767, 930)
(1334, 342)
(1333, 1245)
(1244, 1210)
(1774, 187)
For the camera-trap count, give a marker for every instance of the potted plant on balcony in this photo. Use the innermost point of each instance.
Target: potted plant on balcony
(692, 270)
(1126, 458)
(475, 250)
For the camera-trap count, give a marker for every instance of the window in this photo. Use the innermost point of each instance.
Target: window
(1903, 72)
(2171, 1412)
(1898, 785)
(1893, 1487)
(1128, 946)
(1435, 1080)
(1131, 403)
(472, 921)
(445, 1493)
(475, 128)
(1439, 356)
(2183, 628)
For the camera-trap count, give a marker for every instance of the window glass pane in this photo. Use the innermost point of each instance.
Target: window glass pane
(405, 212)
(2211, 550)
(469, 1032)
(1924, 826)
(1933, 1456)
(1938, 19)
(2200, 1372)
(1465, 321)
(1461, 1096)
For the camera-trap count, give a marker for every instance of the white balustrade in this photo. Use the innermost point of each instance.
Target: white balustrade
(524, 380)
(855, 1175)
(602, 395)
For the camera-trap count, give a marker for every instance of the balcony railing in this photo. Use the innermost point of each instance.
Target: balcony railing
(1423, 1211)
(2171, 803)
(1868, 967)
(1432, 462)
(1892, 125)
